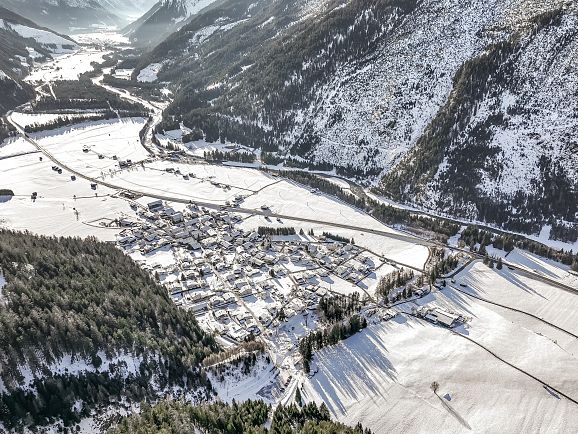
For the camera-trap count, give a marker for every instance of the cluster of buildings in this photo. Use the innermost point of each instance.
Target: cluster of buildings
(236, 281)
(439, 316)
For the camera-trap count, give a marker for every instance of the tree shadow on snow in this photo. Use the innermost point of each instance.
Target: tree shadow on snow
(349, 369)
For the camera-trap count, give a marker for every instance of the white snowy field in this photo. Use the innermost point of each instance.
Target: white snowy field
(242, 178)
(26, 119)
(149, 74)
(511, 289)
(336, 284)
(67, 66)
(13, 147)
(53, 212)
(240, 387)
(102, 37)
(382, 376)
(52, 41)
(287, 198)
(531, 262)
(108, 138)
(399, 251)
(157, 181)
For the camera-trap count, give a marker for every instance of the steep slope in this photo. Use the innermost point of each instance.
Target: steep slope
(67, 15)
(503, 147)
(358, 85)
(23, 42)
(246, 417)
(164, 18)
(84, 328)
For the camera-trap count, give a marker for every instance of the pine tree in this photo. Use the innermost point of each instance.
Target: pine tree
(298, 398)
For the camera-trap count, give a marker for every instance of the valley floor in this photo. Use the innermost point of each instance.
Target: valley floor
(511, 367)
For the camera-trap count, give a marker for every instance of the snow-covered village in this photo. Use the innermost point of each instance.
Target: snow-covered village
(184, 275)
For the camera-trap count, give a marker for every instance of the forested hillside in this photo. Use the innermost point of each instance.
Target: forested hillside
(85, 328)
(219, 418)
(17, 51)
(503, 147)
(465, 107)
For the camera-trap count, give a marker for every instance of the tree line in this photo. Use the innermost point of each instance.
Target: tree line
(440, 264)
(473, 235)
(66, 121)
(266, 230)
(87, 300)
(394, 280)
(336, 308)
(338, 238)
(248, 417)
(241, 157)
(328, 336)
(83, 94)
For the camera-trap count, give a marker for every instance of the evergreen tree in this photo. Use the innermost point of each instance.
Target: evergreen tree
(499, 264)
(298, 398)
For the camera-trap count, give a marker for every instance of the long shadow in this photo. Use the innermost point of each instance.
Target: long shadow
(533, 262)
(349, 369)
(475, 284)
(454, 413)
(460, 300)
(517, 282)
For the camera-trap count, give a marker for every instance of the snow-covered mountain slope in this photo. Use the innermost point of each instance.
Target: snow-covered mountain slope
(503, 147)
(417, 91)
(22, 43)
(165, 17)
(67, 15)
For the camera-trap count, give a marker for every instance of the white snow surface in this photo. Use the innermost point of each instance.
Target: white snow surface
(2, 283)
(382, 375)
(43, 37)
(149, 74)
(53, 213)
(50, 40)
(68, 66)
(108, 138)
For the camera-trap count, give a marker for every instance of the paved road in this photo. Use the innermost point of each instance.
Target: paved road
(397, 236)
(167, 197)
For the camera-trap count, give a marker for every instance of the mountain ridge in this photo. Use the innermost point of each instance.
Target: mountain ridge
(340, 85)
